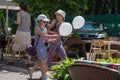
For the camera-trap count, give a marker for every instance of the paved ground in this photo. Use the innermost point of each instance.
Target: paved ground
(16, 72)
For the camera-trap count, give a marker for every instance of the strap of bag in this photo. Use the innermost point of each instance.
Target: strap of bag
(37, 39)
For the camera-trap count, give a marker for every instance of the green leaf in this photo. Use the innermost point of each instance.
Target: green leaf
(66, 77)
(61, 71)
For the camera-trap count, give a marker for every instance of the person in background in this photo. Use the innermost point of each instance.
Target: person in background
(56, 47)
(41, 38)
(23, 34)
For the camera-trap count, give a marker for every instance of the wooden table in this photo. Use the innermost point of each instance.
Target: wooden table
(109, 43)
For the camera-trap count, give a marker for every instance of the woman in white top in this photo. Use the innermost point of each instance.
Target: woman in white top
(23, 35)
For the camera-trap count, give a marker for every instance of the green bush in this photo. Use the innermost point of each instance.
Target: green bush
(14, 28)
(60, 72)
(75, 35)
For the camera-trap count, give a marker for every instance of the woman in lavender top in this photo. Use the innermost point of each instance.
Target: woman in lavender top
(56, 47)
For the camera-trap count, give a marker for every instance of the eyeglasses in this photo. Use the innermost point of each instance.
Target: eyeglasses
(43, 21)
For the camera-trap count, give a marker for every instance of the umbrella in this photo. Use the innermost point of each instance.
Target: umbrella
(7, 4)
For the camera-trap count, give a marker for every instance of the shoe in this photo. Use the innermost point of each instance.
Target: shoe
(44, 78)
(47, 74)
(11, 62)
(41, 78)
(30, 72)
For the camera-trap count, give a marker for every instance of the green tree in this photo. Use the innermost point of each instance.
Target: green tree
(103, 7)
(48, 7)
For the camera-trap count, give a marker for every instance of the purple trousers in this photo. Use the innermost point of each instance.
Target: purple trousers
(56, 48)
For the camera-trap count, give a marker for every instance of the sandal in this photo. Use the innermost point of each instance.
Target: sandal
(11, 62)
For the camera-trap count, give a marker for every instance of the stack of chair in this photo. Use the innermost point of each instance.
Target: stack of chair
(97, 48)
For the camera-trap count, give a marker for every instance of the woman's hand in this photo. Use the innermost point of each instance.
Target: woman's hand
(57, 36)
(50, 40)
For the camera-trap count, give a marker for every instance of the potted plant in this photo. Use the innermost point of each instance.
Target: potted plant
(74, 44)
(110, 63)
(74, 37)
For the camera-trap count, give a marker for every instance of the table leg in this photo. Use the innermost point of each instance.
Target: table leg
(109, 50)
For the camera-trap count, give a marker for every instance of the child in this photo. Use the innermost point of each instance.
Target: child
(41, 34)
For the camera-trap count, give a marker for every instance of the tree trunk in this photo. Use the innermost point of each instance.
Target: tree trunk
(52, 14)
(116, 6)
(93, 7)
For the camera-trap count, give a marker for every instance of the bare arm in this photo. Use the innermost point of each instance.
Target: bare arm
(38, 31)
(18, 19)
(30, 21)
(51, 27)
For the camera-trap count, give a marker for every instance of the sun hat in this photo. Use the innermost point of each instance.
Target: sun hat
(61, 12)
(43, 18)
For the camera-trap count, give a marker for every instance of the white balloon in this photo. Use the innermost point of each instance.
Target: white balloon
(65, 29)
(78, 22)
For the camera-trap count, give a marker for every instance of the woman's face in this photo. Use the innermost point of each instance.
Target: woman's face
(59, 17)
(41, 23)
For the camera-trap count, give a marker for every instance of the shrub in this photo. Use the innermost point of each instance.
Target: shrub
(60, 72)
(110, 60)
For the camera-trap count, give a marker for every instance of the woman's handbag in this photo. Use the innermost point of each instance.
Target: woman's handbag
(31, 50)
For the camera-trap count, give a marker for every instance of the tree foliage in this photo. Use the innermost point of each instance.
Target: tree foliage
(48, 7)
(103, 7)
(71, 7)
(2, 19)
